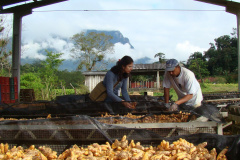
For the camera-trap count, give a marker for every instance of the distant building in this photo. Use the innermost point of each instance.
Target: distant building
(92, 78)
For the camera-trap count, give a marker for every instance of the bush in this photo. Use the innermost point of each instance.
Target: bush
(215, 80)
(232, 78)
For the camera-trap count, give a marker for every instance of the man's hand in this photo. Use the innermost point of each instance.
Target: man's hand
(167, 105)
(173, 107)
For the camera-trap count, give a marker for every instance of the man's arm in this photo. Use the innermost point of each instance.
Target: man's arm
(184, 99)
(166, 95)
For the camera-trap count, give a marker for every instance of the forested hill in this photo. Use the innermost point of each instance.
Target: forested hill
(117, 36)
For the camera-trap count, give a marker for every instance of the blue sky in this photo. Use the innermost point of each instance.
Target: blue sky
(152, 26)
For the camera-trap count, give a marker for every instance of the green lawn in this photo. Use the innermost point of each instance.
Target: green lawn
(206, 88)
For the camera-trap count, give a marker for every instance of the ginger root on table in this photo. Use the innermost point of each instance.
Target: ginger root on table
(119, 150)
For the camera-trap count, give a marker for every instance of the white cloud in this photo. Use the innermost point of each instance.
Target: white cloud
(186, 49)
(175, 33)
(30, 50)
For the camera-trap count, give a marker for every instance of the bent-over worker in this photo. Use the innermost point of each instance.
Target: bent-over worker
(184, 83)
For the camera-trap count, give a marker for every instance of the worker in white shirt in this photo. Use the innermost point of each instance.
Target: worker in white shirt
(184, 83)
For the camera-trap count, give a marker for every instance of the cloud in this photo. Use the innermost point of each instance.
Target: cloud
(58, 45)
(175, 33)
(30, 50)
(186, 49)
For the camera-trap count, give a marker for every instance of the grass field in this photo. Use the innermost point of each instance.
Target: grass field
(207, 88)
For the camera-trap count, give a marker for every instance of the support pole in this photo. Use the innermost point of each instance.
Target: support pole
(238, 47)
(158, 80)
(16, 47)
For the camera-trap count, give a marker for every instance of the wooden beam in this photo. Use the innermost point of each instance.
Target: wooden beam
(30, 6)
(10, 2)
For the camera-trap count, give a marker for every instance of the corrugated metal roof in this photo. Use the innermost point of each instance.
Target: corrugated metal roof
(100, 73)
(136, 67)
(154, 66)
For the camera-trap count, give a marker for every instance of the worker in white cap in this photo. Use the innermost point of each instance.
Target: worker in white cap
(185, 84)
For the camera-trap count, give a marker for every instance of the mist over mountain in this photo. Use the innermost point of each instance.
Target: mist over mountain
(69, 63)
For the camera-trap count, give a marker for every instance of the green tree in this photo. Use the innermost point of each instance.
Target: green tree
(48, 73)
(161, 57)
(5, 65)
(199, 67)
(31, 67)
(71, 79)
(222, 56)
(31, 81)
(91, 48)
(194, 56)
(198, 64)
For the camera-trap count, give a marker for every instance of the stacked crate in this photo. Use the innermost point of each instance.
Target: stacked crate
(9, 89)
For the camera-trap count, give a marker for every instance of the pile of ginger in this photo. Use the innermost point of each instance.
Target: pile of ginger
(119, 150)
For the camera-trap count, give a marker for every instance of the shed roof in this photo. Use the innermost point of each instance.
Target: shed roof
(154, 66)
(138, 69)
(15, 6)
(94, 73)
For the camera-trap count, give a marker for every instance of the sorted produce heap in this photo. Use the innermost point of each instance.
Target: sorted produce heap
(151, 118)
(119, 150)
(119, 119)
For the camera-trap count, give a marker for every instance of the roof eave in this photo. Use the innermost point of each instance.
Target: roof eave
(28, 7)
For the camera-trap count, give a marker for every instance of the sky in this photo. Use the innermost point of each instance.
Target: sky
(177, 28)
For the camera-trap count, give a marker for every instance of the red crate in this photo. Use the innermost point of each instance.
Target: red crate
(8, 97)
(15, 81)
(16, 95)
(15, 88)
(6, 80)
(7, 102)
(1, 80)
(4, 97)
(5, 88)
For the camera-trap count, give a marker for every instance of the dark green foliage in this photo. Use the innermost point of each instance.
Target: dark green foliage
(198, 65)
(74, 77)
(221, 59)
(222, 56)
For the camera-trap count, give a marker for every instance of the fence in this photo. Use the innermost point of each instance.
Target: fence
(143, 84)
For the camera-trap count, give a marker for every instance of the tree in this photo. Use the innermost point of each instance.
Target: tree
(199, 67)
(31, 81)
(31, 67)
(194, 56)
(5, 65)
(222, 56)
(48, 72)
(74, 78)
(91, 48)
(198, 64)
(161, 57)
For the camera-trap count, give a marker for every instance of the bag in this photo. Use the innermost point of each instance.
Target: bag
(99, 93)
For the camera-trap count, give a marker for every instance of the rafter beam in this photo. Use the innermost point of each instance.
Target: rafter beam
(231, 7)
(10, 2)
(29, 6)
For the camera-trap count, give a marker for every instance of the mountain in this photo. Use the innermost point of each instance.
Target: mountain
(117, 36)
